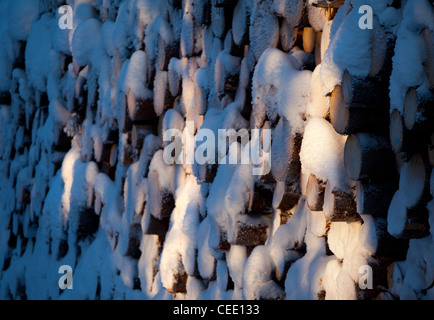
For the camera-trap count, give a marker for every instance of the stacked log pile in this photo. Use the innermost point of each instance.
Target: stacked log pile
(85, 180)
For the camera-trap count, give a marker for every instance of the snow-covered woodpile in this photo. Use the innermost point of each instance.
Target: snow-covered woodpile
(347, 202)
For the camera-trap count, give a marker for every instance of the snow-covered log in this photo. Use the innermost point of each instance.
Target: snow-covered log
(340, 205)
(374, 196)
(402, 139)
(358, 106)
(140, 110)
(288, 35)
(367, 156)
(227, 70)
(241, 22)
(251, 229)
(160, 201)
(163, 99)
(261, 199)
(264, 29)
(418, 110)
(315, 193)
(156, 226)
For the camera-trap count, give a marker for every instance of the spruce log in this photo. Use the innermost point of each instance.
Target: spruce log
(163, 99)
(261, 199)
(231, 47)
(339, 204)
(227, 71)
(165, 52)
(288, 36)
(291, 195)
(251, 229)
(418, 110)
(367, 156)
(138, 134)
(288, 145)
(139, 110)
(264, 30)
(125, 123)
(315, 193)
(415, 181)
(388, 246)
(88, 223)
(180, 276)
(160, 201)
(374, 196)
(402, 139)
(240, 22)
(134, 240)
(358, 106)
(157, 226)
(309, 39)
(201, 91)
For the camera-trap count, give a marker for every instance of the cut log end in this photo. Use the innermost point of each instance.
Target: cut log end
(315, 193)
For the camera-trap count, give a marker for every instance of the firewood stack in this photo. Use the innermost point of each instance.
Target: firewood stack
(348, 184)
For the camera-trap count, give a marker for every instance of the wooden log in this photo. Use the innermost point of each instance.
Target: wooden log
(405, 223)
(374, 196)
(157, 226)
(414, 181)
(231, 47)
(388, 247)
(240, 22)
(125, 123)
(88, 223)
(317, 16)
(139, 110)
(288, 35)
(163, 99)
(402, 139)
(127, 154)
(336, 4)
(138, 134)
(367, 156)
(339, 204)
(315, 193)
(160, 201)
(202, 12)
(428, 37)
(309, 39)
(176, 68)
(134, 240)
(261, 199)
(227, 71)
(180, 276)
(218, 19)
(291, 195)
(165, 52)
(286, 150)
(359, 105)
(201, 91)
(394, 276)
(418, 110)
(207, 172)
(251, 231)
(264, 30)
